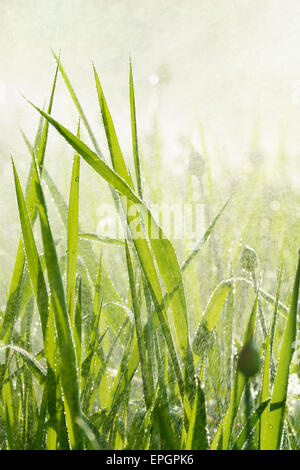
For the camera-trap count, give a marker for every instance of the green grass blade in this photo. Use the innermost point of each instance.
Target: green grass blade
(97, 238)
(113, 143)
(65, 341)
(14, 294)
(224, 431)
(72, 237)
(272, 431)
(135, 147)
(167, 432)
(33, 260)
(36, 368)
(120, 185)
(41, 295)
(147, 381)
(41, 424)
(78, 330)
(85, 249)
(94, 440)
(163, 250)
(42, 145)
(197, 434)
(210, 316)
(265, 392)
(93, 160)
(78, 105)
(205, 237)
(242, 438)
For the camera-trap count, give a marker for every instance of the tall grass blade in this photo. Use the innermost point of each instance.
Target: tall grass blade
(69, 375)
(273, 426)
(135, 147)
(33, 260)
(72, 238)
(147, 381)
(78, 105)
(14, 294)
(223, 434)
(197, 434)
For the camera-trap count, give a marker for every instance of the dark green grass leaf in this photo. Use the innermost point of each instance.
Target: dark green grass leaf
(65, 340)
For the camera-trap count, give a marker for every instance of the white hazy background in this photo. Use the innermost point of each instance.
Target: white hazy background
(233, 65)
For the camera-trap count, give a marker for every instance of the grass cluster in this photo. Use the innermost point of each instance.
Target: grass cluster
(200, 353)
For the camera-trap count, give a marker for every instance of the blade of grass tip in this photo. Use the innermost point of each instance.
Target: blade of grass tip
(135, 147)
(42, 147)
(65, 341)
(113, 143)
(120, 168)
(14, 294)
(84, 119)
(93, 160)
(272, 431)
(139, 331)
(72, 236)
(78, 106)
